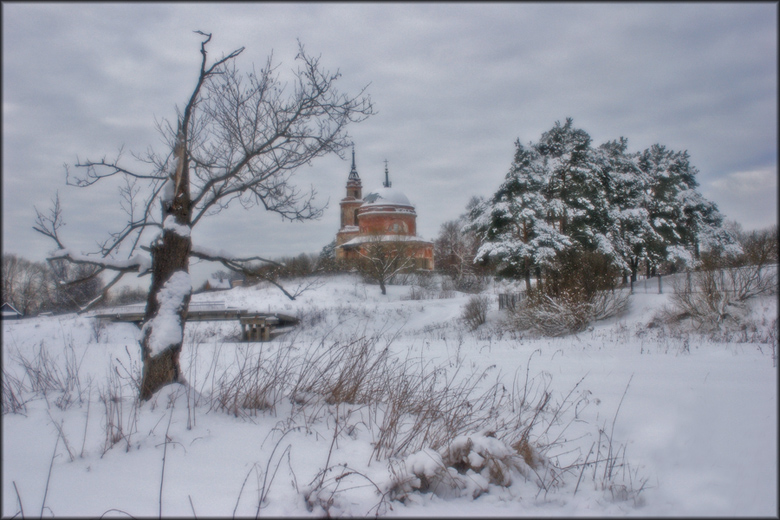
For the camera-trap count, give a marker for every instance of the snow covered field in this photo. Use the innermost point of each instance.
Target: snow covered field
(638, 421)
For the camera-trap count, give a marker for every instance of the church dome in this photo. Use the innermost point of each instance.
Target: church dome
(387, 196)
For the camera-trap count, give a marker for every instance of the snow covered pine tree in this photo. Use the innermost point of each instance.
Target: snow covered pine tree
(562, 195)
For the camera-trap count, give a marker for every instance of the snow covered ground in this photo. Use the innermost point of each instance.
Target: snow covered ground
(688, 426)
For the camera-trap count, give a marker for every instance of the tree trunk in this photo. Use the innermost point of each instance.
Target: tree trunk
(162, 367)
(169, 295)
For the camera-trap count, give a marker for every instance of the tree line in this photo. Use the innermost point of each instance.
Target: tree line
(56, 287)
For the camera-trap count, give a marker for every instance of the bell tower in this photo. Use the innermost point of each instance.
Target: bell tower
(350, 205)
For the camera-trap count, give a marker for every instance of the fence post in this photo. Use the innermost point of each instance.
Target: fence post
(660, 288)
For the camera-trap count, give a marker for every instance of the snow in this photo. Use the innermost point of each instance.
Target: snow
(166, 326)
(695, 419)
(382, 238)
(171, 225)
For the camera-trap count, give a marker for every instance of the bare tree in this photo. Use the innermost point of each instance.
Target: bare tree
(382, 257)
(455, 250)
(240, 137)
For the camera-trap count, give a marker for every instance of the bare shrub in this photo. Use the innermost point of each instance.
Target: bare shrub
(425, 409)
(710, 298)
(259, 382)
(311, 316)
(608, 304)
(41, 371)
(447, 289)
(548, 316)
(610, 471)
(98, 328)
(439, 428)
(418, 293)
(470, 283)
(47, 377)
(14, 394)
(568, 313)
(345, 372)
(475, 311)
(119, 423)
(578, 288)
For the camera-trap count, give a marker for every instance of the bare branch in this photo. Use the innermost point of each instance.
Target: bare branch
(135, 264)
(214, 256)
(49, 225)
(262, 137)
(243, 266)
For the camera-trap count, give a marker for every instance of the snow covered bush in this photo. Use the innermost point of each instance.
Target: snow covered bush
(467, 466)
(486, 455)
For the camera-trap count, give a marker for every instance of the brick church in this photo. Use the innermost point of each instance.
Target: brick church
(382, 215)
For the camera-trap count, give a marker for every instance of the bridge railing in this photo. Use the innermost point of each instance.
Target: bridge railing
(141, 307)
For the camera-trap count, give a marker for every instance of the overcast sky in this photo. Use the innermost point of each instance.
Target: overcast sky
(454, 85)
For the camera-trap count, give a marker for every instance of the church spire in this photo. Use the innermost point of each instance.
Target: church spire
(387, 182)
(353, 174)
(354, 186)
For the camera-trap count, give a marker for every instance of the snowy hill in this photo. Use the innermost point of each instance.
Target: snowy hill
(623, 419)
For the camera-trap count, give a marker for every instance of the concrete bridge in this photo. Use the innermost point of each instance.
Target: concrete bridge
(255, 326)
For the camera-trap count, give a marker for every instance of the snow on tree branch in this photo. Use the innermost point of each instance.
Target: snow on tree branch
(137, 263)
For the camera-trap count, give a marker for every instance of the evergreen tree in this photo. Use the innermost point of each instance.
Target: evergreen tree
(683, 220)
(516, 223)
(626, 202)
(561, 197)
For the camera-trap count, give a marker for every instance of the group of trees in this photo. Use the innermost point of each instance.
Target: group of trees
(564, 197)
(35, 287)
(58, 286)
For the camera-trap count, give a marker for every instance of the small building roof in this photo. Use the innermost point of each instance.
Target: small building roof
(9, 310)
